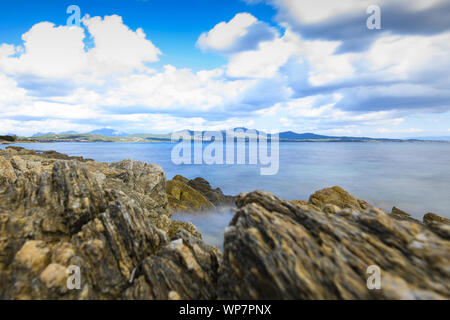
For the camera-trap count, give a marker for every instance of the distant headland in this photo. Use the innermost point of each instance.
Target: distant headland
(111, 135)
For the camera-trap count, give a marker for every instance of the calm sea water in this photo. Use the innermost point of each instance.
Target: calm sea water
(412, 176)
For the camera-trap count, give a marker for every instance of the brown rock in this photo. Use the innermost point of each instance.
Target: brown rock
(275, 249)
(182, 197)
(402, 215)
(438, 224)
(184, 269)
(338, 197)
(105, 219)
(434, 218)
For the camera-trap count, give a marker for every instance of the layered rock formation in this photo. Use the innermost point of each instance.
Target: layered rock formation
(109, 220)
(113, 222)
(322, 249)
(195, 195)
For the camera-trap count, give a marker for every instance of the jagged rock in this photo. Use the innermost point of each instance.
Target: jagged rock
(216, 196)
(276, 249)
(195, 195)
(430, 218)
(184, 198)
(438, 224)
(338, 197)
(402, 215)
(184, 269)
(113, 222)
(58, 211)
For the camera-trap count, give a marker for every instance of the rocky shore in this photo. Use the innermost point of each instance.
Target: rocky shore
(114, 222)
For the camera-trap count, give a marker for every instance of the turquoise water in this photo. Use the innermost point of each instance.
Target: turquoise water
(412, 176)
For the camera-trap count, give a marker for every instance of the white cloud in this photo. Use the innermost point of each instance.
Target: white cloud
(10, 93)
(401, 57)
(266, 60)
(271, 81)
(117, 46)
(176, 89)
(411, 130)
(59, 52)
(242, 32)
(48, 51)
(317, 11)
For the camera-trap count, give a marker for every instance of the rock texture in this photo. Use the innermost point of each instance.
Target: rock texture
(110, 220)
(276, 249)
(438, 224)
(195, 195)
(114, 223)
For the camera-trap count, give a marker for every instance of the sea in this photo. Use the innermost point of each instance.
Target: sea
(413, 176)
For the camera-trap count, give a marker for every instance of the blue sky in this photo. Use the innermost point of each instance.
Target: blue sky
(163, 65)
(172, 25)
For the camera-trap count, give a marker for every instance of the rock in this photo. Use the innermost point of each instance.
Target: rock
(276, 249)
(184, 269)
(7, 174)
(33, 256)
(438, 224)
(113, 224)
(216, 196)
(195, 195)
(402, 215)
(182, 197)
(58, 211)
(430, 218)
(338, 197)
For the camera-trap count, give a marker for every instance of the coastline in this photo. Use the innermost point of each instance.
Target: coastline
(114, 221)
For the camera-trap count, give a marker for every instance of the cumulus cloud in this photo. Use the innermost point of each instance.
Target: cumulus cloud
(117, 46)
(51, 51)
(48, 51)
(292, 80)
(243, 32)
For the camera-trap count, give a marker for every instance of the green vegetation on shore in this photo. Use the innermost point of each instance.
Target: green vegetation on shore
(8, 138)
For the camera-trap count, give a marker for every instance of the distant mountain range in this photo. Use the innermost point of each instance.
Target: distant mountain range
(434, 138)
(111, 135)
(104, 132)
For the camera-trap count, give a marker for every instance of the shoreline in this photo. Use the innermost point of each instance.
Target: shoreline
(115, 222)
(196, 141)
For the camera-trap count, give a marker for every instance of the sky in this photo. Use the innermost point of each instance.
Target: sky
(156, 66)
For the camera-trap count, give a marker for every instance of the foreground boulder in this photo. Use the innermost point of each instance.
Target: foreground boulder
(110, 221)
(114, 223)
(276, 249)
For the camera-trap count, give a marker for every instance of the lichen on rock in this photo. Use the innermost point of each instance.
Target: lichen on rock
(114, 223)
(57, 211)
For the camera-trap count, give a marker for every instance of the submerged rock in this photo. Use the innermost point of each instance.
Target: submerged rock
(276, 249)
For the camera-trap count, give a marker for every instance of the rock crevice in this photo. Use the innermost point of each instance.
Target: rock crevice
(114, 223)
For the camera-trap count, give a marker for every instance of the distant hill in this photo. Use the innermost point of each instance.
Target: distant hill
(434, 138)
(290, 135)
(38, 134)
(109, 132)
(111, 135)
